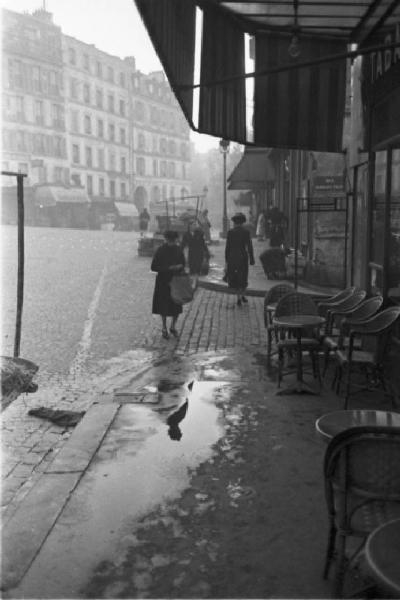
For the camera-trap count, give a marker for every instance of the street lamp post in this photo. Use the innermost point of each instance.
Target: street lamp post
(224, 149)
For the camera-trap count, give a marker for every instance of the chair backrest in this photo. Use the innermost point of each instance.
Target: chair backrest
(339, 296)
(364, 461)
(366, 309)
(277, 292)
(351, 302)
(296, 303)
(380, 326)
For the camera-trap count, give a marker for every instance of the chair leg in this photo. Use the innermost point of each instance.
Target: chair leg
(280, 366)
(269, 343)
(340, 567)
(330, 551)
(326, 360)
(348, 383)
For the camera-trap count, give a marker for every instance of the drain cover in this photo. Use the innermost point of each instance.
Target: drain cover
(136, 398)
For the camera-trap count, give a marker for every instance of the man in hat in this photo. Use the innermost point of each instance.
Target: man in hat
(238, 252)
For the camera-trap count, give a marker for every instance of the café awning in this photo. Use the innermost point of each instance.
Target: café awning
(253, 171)
(49, 195)
(126, 209)
(293, 52)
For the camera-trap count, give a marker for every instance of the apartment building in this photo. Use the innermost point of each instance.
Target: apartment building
(34, 137)
(77, 116)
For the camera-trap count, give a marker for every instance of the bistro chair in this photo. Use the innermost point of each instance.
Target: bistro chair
(362, 312)
(296, 303)
(373, 336)
(362, 491)
(324, 305)
(271, 299)
(342, 309)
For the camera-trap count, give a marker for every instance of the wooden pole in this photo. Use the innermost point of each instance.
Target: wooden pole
(21, 253)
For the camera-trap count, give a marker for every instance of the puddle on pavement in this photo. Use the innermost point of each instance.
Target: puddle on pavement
(138, 467)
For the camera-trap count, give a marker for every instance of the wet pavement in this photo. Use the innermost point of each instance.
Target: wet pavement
(234, 508)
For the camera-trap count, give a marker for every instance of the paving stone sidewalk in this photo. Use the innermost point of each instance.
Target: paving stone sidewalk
(211, 322)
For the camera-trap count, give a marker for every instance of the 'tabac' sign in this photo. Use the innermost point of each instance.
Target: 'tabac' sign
(328, 184)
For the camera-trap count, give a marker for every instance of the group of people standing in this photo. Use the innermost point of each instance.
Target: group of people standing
(169, 259)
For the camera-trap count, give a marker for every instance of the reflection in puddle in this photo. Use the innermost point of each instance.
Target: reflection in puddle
(135, 471)
(174, 419)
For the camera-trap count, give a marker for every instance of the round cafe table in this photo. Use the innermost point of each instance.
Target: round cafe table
(333, 423)
(382, 555)
(297, 324)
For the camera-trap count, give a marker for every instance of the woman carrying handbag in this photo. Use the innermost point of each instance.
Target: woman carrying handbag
(168, 260)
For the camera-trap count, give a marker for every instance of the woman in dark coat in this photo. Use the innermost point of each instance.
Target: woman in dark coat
(168, 260)
(238, 251)
(197, 249)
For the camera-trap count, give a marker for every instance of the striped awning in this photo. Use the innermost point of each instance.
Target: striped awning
(253, 171)
(126, 209)
(49, 195)
(270, 73)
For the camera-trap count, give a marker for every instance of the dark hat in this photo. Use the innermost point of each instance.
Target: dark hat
(239, 218)
(171, 235)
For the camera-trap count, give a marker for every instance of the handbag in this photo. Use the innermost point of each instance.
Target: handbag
(181, 288)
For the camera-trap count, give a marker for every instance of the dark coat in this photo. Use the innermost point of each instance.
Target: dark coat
(197, 248)
(238, 251)
(164, 257)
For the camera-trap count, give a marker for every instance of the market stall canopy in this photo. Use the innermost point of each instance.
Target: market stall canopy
(49, 195)
(126, 209)
(253, 171)
(293, 53)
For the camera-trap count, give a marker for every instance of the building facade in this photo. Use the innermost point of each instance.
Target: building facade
(78, 117)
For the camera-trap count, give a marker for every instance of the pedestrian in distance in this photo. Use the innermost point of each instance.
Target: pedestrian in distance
(194, 241)
(168, 260)
(144, 219)
(260, 231)
(238, 253)
(206, 225)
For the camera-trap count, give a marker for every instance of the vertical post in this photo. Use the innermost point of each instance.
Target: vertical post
(224, 216)
(21, 252)
(166, 207)
(346, 235)
(296, 243)
(387, 209)
(197, 206)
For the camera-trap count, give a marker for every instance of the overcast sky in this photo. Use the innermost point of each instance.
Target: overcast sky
(113, 26)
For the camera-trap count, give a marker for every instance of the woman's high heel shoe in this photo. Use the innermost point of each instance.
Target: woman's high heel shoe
(174, 332)
(165, 334)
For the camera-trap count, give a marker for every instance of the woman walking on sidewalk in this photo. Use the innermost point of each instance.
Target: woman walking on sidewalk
(238, 251)
(197, 250)
(168, 260)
